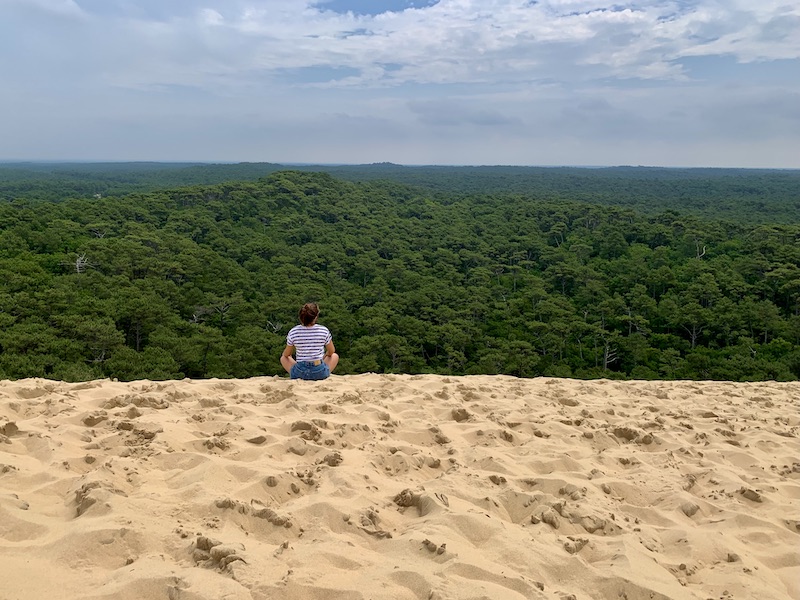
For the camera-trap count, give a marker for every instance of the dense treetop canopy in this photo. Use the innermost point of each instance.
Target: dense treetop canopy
(541, 272)
(741, 195)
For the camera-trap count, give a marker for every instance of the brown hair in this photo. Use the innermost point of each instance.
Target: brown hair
(308, 313)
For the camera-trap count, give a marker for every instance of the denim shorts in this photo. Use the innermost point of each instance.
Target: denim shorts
(309, 371)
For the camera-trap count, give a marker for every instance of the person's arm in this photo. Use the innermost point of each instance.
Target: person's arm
(331, 358)
(286, 358)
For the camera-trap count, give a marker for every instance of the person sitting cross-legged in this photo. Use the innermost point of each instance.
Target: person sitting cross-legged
(315, 355)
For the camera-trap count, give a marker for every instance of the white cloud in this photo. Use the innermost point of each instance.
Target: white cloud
(209, 16)
(580, 69)
(454, 41)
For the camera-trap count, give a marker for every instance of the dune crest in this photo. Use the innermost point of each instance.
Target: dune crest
(395, 486)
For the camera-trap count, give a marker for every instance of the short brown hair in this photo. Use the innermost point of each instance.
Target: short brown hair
(308, 313)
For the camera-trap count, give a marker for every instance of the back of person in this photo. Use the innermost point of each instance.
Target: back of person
(309, 342)
(313, 345)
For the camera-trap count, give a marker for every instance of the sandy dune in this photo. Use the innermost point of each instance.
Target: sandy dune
(401, 487)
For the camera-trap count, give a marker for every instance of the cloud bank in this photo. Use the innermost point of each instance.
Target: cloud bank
(681, 82)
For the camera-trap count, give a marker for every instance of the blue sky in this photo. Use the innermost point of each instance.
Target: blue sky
(548, 82)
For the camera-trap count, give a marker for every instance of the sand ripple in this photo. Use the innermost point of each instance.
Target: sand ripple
(387, 486)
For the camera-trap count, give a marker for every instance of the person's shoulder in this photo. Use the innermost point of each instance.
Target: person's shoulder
(322, 328)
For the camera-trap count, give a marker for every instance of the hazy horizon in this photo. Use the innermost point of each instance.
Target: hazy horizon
(12, 162)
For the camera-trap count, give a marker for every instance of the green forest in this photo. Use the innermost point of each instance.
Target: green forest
(172, 271)
(741, 195)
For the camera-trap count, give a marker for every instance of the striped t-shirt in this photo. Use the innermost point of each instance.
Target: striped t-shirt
(309, 342)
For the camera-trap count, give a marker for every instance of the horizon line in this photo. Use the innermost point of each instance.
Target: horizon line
(6, 162)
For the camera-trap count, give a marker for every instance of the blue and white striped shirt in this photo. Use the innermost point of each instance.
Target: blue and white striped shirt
(309, 342)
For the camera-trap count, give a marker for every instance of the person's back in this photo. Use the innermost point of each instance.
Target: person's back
(312, 344)
(309, 341)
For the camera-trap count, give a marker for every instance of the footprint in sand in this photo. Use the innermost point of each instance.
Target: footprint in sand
(259, 513)
(211, 553)
(424, 503)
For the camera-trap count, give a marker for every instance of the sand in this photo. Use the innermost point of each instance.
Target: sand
(402, 487)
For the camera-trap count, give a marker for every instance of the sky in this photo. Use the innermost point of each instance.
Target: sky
(697, 83)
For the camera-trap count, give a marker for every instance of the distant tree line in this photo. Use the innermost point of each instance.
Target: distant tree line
(739, 195)
(205, 281)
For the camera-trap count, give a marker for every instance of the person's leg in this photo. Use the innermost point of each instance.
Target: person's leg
(288, 362)
(331, 361)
